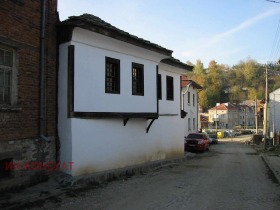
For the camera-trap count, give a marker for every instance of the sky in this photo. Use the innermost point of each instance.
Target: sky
(227, 31)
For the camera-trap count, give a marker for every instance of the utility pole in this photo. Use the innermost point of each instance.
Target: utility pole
(265, 109)
(216, 120)
(256, 114)
(273, 119)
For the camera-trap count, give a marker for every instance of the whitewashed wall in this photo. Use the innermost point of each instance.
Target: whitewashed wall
(95, 145)
(168, 106)
(90, 52)
(274, 110)
(100, 145)
(191, 110)
(64, 124)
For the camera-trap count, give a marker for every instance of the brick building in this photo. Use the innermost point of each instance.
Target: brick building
(27, 89)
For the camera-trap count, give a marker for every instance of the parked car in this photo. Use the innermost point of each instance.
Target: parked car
(213, 138)
(197, 142)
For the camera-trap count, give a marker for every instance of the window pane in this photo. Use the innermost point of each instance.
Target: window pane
(1, 78)
(137, 79)
(112, 76)
(159, 88)
(1, 95)
(169, 88)
(8, 58)
(7, 78)
(7, 95)
(1, 57)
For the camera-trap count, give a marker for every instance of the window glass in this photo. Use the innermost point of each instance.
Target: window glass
(6, 63)
(1, 57)
(169, 88)
(137, 79)
(159, 87)
(112, 75)
(1, 78)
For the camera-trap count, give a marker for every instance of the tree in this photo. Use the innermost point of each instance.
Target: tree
(235, 84)
(198, 68)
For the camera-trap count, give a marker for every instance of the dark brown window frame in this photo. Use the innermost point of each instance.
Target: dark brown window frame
(159, 87)
(113, 75)
(7, 70)
(169, 88)
(193, 99)
(137, 76)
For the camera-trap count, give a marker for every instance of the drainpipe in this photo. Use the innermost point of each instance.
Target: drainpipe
(42, 124)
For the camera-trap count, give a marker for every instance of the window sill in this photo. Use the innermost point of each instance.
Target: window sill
(10, 109)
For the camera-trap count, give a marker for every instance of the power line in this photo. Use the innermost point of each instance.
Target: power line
(276, 45)
(273, 1)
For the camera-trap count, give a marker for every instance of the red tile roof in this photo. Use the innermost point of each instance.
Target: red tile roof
(226, 106)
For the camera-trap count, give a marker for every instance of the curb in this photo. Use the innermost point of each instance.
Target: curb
(273, 172)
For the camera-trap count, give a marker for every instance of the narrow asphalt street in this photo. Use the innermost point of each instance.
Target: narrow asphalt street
(230, 176)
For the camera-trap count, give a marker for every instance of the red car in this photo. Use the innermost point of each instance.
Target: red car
(197, 142)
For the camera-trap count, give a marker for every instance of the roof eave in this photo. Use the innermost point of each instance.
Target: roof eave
(65, 31)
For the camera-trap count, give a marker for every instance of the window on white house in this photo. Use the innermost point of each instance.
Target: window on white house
(159, 87)
(137, 79)
(193, 100)
(189, 97)
(6, 71)
(189, 124)
(194, 127)
(169, 88)
(112, 76)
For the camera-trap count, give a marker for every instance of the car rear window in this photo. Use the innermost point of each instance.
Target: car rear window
(195, 136)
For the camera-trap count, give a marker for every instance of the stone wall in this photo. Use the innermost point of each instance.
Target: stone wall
(22, 159)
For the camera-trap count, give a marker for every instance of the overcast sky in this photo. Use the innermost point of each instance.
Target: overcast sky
(226, 31)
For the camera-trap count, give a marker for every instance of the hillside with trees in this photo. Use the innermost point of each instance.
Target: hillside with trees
(235, 84)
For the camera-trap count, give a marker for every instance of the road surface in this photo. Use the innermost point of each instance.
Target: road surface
(230, 176)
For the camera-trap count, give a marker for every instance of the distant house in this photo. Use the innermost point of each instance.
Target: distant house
(27, 90)
(228, 116)
(204, 123)
(190, 91)
(118, 98)
(260, 110)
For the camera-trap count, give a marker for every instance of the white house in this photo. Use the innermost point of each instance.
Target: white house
(190, 90)
(118, 104)
(273, 109)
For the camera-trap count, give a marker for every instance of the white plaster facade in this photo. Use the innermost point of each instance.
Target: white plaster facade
(274, 114)
(190, 100)
(100, 144)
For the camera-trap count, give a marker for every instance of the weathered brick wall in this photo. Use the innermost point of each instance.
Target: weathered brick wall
(20, 30)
